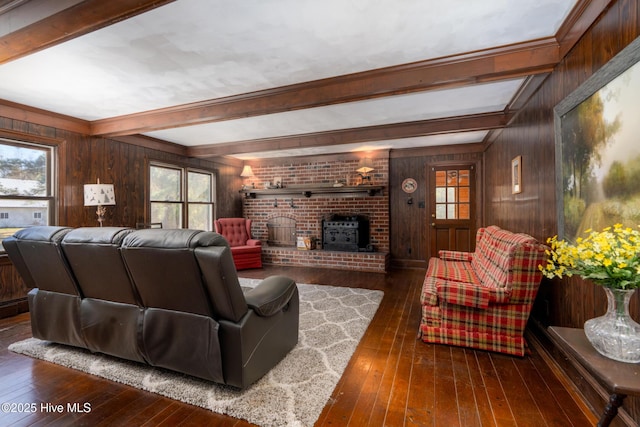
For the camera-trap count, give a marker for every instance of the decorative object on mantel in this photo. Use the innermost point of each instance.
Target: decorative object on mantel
(365, 166)
(610, 259)
(247, 172)
(99, 195)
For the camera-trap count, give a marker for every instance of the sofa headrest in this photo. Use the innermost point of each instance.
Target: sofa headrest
(172, 238)
(42, 233)
(98, 235)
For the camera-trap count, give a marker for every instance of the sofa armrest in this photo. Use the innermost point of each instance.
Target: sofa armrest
(254, 242)
(460, 293)
(455, 255)
(271, 295)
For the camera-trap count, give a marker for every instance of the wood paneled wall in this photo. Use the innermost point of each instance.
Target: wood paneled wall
(532, 136)
(567, 302)
(409, 230)
(84, 159)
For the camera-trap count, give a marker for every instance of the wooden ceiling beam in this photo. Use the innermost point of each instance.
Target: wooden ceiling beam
(77, 20)
(356, 135)
(581, 17)
(29, 114)
(513, 61)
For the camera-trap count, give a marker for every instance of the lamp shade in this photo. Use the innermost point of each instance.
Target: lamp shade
(365, 166)
(246, 171)
(99, 194)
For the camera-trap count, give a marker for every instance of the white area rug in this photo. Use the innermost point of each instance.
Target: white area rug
(332, 322)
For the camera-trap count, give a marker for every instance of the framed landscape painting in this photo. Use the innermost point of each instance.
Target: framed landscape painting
(597, 131)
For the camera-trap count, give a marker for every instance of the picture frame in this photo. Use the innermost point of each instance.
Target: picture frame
(516, 175)
(595, 150)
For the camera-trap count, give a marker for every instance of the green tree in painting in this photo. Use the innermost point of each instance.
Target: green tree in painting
(616, 184)
(585, 133)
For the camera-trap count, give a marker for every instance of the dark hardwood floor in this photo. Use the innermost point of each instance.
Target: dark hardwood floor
(393, 379)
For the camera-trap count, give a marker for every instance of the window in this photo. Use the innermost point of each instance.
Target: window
(26, 186)
(453, 195)
(181, 197)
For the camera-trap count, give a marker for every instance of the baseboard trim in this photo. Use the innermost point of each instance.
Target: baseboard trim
(14, 307)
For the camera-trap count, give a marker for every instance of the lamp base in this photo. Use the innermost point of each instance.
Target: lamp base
(100, 211)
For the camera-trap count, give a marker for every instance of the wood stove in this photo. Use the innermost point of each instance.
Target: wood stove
(346, 233)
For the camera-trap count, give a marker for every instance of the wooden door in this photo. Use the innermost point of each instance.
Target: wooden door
(452, 209)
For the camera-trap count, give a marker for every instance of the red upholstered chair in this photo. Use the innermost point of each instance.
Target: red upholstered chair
(246, 252)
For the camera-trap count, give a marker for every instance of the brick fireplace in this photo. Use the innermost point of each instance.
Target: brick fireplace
(305, 214)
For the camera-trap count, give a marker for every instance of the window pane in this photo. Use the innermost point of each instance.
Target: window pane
(464, 177)
(441, 178)
(451, 211)
(463, 210)
(441, 211)
(23, 171)
(463, 192)
(18, 214)
(165, 184)
(169, 214)
(451, 195)
(200, 216)
(452, 178)
(441, 195)
(199, 187)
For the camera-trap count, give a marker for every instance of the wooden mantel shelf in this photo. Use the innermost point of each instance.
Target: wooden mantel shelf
(360, 190)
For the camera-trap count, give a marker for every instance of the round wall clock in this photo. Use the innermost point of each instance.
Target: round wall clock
(409, 185)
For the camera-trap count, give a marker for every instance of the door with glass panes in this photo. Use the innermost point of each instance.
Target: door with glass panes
(451, 207)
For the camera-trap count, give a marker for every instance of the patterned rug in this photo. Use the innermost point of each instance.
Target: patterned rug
(332, 322)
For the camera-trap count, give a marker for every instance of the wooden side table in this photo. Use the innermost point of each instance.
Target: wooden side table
(619, 378)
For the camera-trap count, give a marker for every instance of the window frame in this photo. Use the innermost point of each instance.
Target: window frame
(50, 149)
(184, 201)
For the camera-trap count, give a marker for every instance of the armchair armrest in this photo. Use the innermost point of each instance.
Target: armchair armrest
(455, 255)
(460, 293)
(271, 295)
(254, 242)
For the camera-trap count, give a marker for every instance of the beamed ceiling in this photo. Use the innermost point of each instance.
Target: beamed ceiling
(257, 79)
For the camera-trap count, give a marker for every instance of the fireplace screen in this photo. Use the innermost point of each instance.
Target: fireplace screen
(281, 231)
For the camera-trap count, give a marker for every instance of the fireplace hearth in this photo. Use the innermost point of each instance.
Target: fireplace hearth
(348, 233)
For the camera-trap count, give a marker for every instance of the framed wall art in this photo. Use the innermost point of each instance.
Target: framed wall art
(597, 150)
(516, 175)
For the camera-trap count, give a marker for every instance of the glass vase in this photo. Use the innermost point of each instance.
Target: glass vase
(615, 335)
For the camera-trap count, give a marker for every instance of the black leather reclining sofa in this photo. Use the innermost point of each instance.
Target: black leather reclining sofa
(168, 298)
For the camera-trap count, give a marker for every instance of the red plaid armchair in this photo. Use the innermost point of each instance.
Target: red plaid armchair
(246, 252)
(483, 299)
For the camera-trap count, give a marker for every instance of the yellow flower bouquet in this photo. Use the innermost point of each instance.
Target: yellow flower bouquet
(608, 258)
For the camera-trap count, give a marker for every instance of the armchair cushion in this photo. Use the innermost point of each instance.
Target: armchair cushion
(246, 251)
(237, 231)
(467, 294)
(271, 295)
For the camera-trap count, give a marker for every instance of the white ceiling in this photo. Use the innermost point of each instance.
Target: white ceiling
(196, 50)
